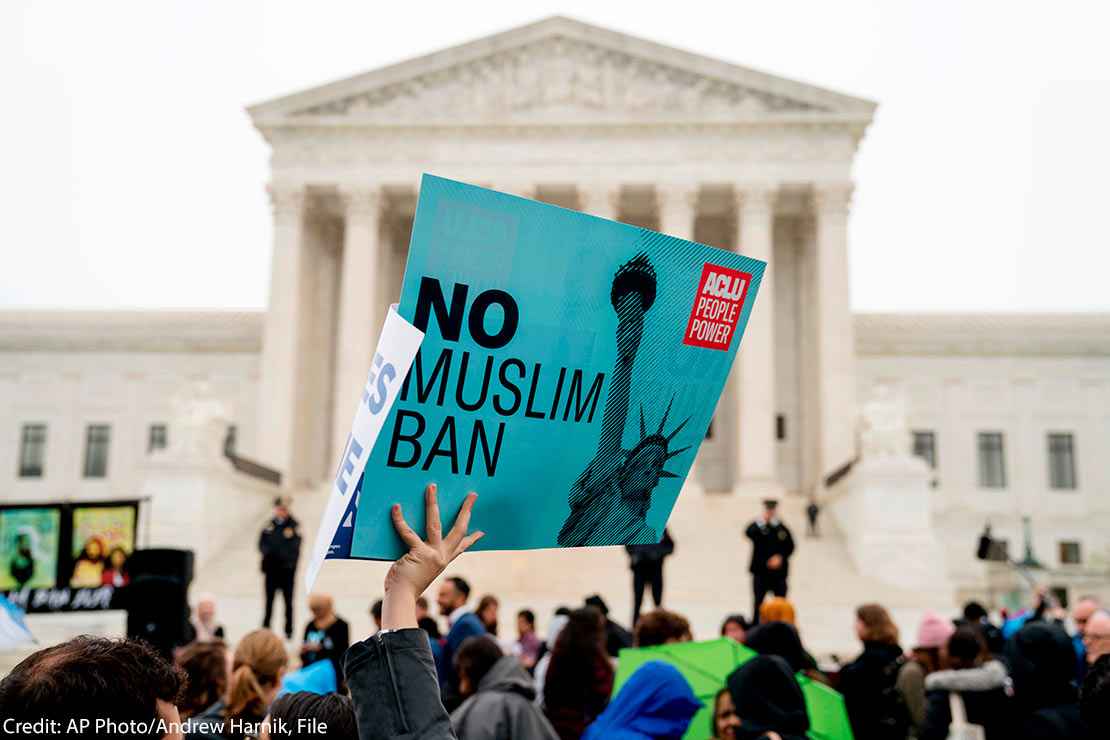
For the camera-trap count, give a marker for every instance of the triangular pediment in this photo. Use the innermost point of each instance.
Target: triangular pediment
(559, 71)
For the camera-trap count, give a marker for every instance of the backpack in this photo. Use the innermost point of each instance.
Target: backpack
(890, 710)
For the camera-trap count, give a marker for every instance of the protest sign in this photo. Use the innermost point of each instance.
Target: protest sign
(570, 368)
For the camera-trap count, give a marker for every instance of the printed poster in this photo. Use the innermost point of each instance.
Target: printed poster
(29, 539)
(103, 539)
(570, 368)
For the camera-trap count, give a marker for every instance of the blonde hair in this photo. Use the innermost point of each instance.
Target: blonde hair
(259, 660)
(776, 609)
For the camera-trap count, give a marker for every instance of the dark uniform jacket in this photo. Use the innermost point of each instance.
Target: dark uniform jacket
(280, 544)
(650, 554)
(769, 540)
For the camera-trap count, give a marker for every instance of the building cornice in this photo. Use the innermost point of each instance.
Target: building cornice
(131, 331)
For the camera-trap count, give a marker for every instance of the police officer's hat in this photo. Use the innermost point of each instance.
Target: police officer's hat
(770, 504)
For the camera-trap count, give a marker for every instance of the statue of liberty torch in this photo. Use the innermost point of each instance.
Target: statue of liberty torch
(610, 499)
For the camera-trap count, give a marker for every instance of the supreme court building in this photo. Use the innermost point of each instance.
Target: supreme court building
(1009, 415)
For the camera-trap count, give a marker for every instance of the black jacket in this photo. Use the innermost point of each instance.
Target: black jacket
(768, 699)
(650, 554)
(986, 695)
(280, 544)
(875, 709)
(392, 679)
(768, 540)
(1041, 657)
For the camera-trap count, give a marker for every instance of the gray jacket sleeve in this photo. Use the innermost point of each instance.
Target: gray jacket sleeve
(392, 679)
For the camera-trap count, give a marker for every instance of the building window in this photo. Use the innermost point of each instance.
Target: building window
(999, 550)
(156, 439)
(97, 437)
(32, 450)
(1069, 553)
(231, 440)
(1061, 461)
(780, 427)
(925, 447)
(992, 460)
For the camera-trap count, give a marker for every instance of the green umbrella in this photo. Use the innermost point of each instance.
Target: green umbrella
(706, 666)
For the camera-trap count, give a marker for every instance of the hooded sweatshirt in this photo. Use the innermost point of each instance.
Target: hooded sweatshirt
(768, 699)
(502, 708)
(655, 704)
(1042, 664)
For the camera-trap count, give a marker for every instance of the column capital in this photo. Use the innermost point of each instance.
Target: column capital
(832, 197)
(360, 200)
(286, 199)
(755, 197)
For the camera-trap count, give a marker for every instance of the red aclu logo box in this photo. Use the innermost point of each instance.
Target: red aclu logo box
(717, 307)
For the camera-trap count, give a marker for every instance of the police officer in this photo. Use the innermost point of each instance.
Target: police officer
(772, 546)
(280, 545)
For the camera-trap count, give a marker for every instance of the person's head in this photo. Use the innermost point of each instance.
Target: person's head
(94, 549)
(595, 601)
(421, 608)
(781, 639)
(656, 700)
(487, 612)
(117, 557)
(660, 627)
(256, 670)
(873, 624)
(1096, 638)
(376, 613)
(1083, 610)
(579, 644)
(281, 508)
(428, 624)
(767, 697)
(1041, 661)
(777, 609)
(453, 593)
(974, 612)
(735, 626)
(321, 605)
(525, 622)
(966, 648)
(206, 607)
(86, 677)
(205, 667)
(304, 716)
(770, 509)
(474, 660)
(933, 632)
(1094, 697)
(724, 721)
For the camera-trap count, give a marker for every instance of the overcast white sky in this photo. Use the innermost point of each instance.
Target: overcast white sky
(130, 175)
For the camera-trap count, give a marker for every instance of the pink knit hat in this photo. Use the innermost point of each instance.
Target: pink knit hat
(934, 631)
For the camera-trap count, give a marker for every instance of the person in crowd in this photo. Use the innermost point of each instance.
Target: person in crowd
(487, 613)
(777, 609)
(813, 510)
(302, 715)
(115, 571)
(768, 701)
(431, 626)
(782, 639)
(656, 703)
(280, 545)
(976, 615)
(973, 678)
(924, 658)
(422, 609)
(736, 627)
(257, 668)
(528, 643)
(326, 636)
(616, 636)
(461, 624)
(392, 675)
(661, 627)
(1094, 698)
(646, 562)
(724, 722)
(204, 665)
(554, 627)
(772, 546)
(1096, 636)
(376, 614)
(203, 626)
(1081, 613)
(93, 677)
(1041, 658)
(499, 696)
(89, 566)
(875, 708)
(580, 677)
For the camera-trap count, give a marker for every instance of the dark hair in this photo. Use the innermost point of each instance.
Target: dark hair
(713, 709)
(428, 624)
(333, 710)
(659, 627)
(562, 611)
(879, 626)
(966, 648)
(578, 659)
(461, 584)
(205, 667)
(85, 677)
(421, 602)
(974, 611)
(529, 616)
(1094, 697)
(734, 619)
(376, 610)
(598, 603)
(475, 658)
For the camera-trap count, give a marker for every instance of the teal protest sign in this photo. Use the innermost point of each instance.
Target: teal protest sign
(569, 370)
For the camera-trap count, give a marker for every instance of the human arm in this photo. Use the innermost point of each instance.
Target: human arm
(911, 685)
(787, 548)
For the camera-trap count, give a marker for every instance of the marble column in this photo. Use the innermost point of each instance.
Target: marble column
(832, 324)
(677, 204)
(281, 335)
(754, 394)
(358, 306)
(600, 199)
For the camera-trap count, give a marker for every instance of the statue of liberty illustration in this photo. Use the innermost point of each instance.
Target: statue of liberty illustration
(610, 499)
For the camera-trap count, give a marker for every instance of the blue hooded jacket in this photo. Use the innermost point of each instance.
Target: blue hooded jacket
(655, 704)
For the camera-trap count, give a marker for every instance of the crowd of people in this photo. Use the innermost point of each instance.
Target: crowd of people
(465, 676)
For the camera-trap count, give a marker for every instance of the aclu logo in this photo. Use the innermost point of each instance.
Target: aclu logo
(717, 307)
